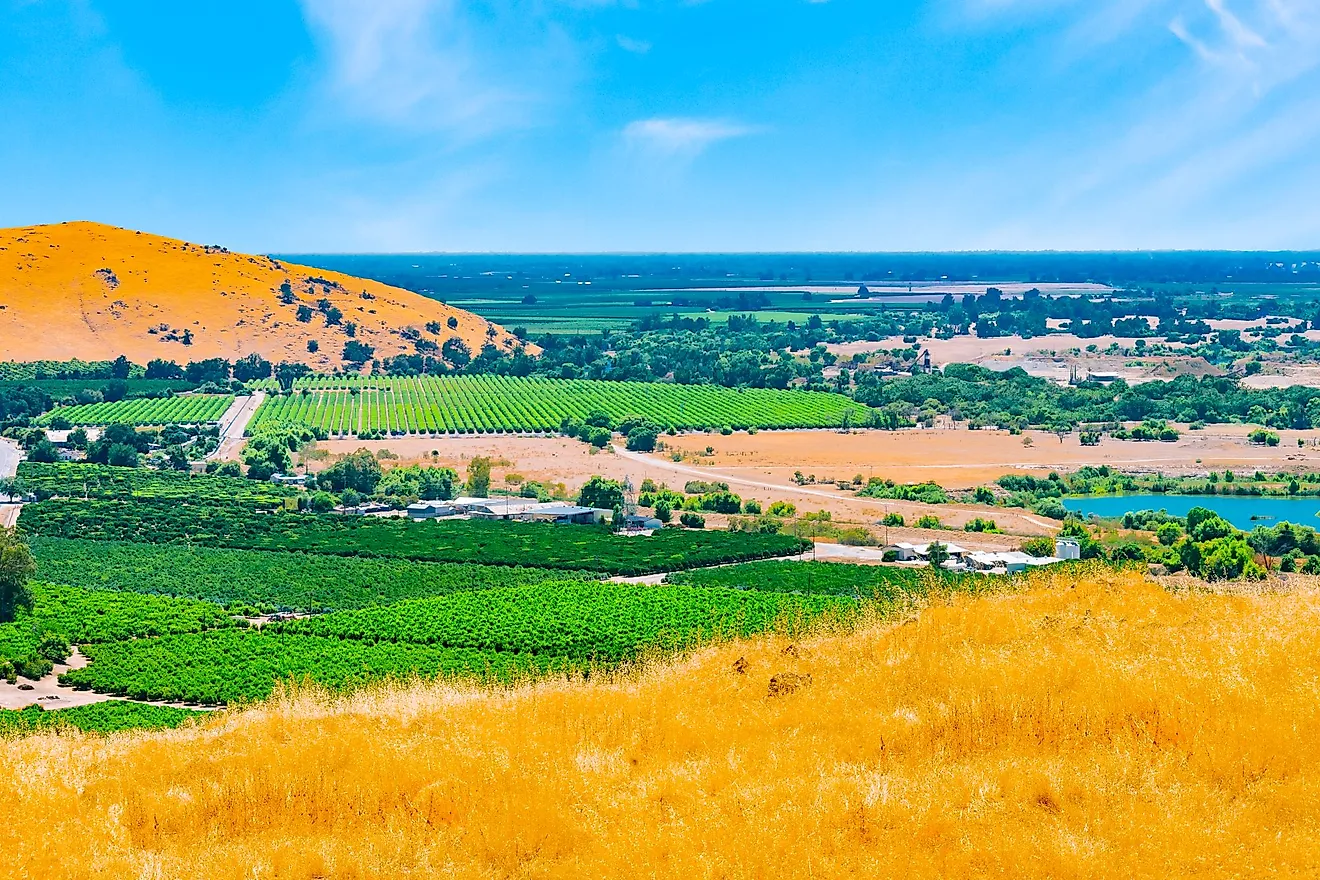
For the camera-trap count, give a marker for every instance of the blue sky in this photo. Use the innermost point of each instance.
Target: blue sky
(591, 125)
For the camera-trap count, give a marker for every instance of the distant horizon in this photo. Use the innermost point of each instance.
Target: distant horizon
(795, 253)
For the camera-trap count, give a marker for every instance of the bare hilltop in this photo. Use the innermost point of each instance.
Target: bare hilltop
(91, 291)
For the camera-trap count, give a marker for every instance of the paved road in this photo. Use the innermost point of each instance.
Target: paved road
(9, 455)
(234, 422)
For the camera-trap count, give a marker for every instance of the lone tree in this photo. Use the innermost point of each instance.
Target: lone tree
(16, 566)
(938, 554)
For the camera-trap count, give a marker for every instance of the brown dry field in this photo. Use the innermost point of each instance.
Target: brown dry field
(958, 458)
(55, 305)
(762, 465)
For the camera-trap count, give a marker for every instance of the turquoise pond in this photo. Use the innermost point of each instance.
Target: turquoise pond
(1237, 509)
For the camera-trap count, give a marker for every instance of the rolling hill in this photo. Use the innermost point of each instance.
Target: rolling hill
(90, 291)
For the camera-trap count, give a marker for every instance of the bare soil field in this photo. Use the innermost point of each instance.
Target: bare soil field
(1047, 357)
(1284, 375)
(973, 349)
(958, 458)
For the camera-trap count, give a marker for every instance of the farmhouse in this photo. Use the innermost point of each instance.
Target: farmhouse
(431, 509)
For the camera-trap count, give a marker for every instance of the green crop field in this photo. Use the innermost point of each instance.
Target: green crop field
(350, 405)
(499, 636)
(184, 409)
(225, 667)
(80, 616)
(586, 621)
(589, 548)
(813, 578)
(264, 580)
(79, 480)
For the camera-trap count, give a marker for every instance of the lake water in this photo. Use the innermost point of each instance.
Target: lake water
(1237, 509)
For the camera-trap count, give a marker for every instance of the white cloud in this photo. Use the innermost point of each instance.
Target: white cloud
(678, 136)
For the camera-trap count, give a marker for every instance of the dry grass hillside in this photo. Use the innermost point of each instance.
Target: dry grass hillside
(90, 291)
(1104, 729)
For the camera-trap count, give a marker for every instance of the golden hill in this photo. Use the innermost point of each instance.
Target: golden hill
(1102, 729)
(94, 292)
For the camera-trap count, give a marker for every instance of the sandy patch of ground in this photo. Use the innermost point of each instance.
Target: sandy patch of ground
(1276, 375)
(48, 692)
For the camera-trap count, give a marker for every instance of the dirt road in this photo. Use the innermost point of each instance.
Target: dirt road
(859, 507)
(9, 456)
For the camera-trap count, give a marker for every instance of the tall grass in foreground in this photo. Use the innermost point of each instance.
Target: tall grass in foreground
(1103, 728)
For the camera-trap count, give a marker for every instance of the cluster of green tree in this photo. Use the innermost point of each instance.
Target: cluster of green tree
(270, 448)
(598, 428)
(1150, 429)
(1013, 399)
(926, 493)
(741, 353)
(119, 368)
(493, 543)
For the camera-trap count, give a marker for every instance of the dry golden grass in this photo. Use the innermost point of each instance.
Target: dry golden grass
(57, 302)
(1104, 729)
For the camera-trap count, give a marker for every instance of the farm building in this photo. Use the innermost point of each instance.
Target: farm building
(567, 513)
(509, 508)
(906, 552)
(637, 523)
(431, 509)
(1008, 562)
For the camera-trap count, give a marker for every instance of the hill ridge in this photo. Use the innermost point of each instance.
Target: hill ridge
(92, 291)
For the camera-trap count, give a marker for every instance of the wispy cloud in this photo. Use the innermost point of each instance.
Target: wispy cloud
(1205, 137)
(427, 65)
(679, 136)
(628, 44)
